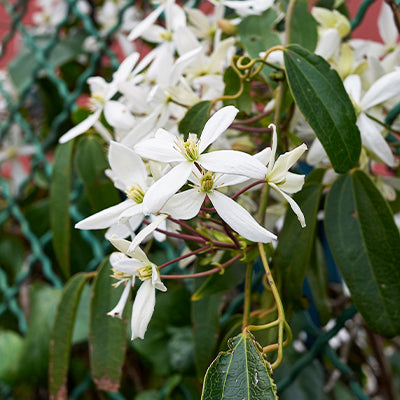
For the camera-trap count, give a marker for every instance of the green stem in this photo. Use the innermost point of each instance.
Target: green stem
(263, 204)
(247, 295)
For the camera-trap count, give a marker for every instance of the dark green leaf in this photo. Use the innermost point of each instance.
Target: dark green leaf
(303, 26)
(365, 244)
(60, 344)
(232, 87)
(107, 335)
(317, 277)
(292, 256)
(59, 205)
(240, 373)
(90, 163)
(320, 95)
(195, 118)
(217, 283)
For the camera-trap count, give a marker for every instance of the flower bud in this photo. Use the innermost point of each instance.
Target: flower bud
(226, 26)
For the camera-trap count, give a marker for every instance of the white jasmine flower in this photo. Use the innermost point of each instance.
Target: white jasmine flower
(126, 269)
(186, 205)
(167, 148)
(278, 176)
(382, 90)
(101, 94)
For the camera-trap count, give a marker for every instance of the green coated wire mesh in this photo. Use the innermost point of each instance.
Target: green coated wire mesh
(22, 116)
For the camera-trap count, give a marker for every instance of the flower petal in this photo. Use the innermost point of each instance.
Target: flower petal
(119, 308)
(164, 188)
(82, 127)
(233, 162)
(142, 310)
(118, 115)
(127, 166)
(352, 84)
(184, 205)
(373, 140)
(239, 219)
(217, 124)
(146, 23)
(386, 25)
(294, 206)
(105, 218)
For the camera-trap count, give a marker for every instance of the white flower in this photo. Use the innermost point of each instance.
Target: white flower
(126, 269)
(186, 205)
(101, 94)
(167, 148)
(278, 175)
(382, 90)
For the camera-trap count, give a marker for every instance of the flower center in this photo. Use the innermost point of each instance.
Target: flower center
(207, 182)
(145, 273)
(120, 276)
(96, 101)
(189, 148)
(136, 193)
(167, 35)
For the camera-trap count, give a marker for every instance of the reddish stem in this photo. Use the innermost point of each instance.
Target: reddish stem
(250, 129)
(185, 256)
(247, 188)
(254, 119)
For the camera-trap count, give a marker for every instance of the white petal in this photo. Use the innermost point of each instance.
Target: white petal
(352, 84)
(123, 246)
(184, 205)
(233, 162)
(239, 219)
(383, 89)
(142, 310)
(175, 17)
(264, 155)
(119, 308)
(328, 44)
(185, 40)
(158, 149)
(216, 125)
(181, 63)
(273, 148)
(135, 210)
(146, 23)
(141, 130)
(373, 140)
(120, 230)
(386, 25)
(164, 188)
(294, 206)
(293, 183)
(105, 218)
(82, 127)
(118, 115)
(125, 68)
(147, 231)
(127, 166)
(155, 279)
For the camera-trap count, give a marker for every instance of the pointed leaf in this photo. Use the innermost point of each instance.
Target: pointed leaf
(239, 373)
(60, 344)
(60, 188)
(90, 163)
(292, 256)
(195, 118)
(320, 95)
(365, 244)
(107, 335)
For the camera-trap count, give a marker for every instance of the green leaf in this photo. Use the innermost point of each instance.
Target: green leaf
(239, 373)
(90, 163)
(365, 244)
(195, 118)
(60, 344)
(217, 283)
(317, 277)
(107, 335)
(22, 67)
(232, 86)
(303, 26)
(60, 188)
(320, 95)
(256, 35)
(292, 256)
(10, 349)
(34, 360)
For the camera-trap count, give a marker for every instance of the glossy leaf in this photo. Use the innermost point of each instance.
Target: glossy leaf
(11, 344)
(60, 344)
(239, 373)
(59, 205)
(232, 87)
(90, 163)
(107, 335)
(303, 26)
(195, 118)
(320, 95)
(292, 256)
(365, 244)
